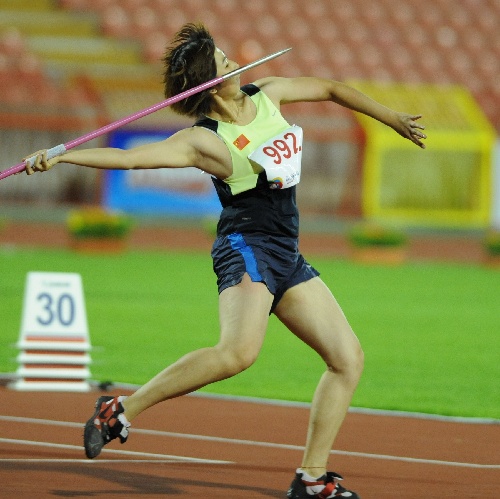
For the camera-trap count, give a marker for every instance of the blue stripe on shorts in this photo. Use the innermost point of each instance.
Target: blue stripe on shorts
(239, 244)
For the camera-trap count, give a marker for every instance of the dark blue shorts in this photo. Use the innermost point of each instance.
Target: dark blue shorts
(275, 261)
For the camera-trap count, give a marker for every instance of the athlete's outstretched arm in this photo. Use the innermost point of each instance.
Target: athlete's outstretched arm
(175, 152)
(311, 89)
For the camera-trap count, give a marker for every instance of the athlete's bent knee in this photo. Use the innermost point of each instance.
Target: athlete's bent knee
(350, 365)
(236, 361)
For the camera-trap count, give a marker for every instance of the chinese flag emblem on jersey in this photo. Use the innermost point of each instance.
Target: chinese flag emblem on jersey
(241, 142)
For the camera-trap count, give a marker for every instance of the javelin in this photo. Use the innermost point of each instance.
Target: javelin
(61, 148)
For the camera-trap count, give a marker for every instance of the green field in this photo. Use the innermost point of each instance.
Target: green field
(430, 331)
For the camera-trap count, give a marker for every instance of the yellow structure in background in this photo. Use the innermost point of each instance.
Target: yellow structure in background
(446, 184)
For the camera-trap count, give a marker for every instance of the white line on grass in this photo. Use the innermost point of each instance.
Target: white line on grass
(236, 441)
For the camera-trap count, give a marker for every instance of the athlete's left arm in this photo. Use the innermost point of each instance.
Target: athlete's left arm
(311, 89)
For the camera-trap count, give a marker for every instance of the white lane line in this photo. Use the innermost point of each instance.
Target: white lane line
(207, 438)
(19, 419)
(418, 460)
(112, 451)
(301, 448)
(89, 461)
(354, 410)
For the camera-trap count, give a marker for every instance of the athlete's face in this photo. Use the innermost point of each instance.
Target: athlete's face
(224, 65)
(231, 86)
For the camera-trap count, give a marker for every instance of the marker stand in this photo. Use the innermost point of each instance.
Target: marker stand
(54, 342)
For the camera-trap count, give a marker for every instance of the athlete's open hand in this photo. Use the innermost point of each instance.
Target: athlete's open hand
(406, 125)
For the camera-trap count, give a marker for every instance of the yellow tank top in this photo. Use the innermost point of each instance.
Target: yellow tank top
(243, 140)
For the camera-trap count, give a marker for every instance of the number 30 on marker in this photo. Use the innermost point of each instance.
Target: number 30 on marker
(54, 304)
(56, 309)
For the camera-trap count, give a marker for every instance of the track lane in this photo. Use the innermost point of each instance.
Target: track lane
(380, 456)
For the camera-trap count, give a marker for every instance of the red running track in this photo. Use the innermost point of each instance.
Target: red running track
(214, 448)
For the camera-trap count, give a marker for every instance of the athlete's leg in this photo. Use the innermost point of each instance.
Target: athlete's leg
(311, 312)
(244, 314)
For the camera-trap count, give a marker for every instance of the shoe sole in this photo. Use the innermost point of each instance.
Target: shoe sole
(92, 438)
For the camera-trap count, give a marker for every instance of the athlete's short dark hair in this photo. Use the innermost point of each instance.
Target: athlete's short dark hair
(190, 61)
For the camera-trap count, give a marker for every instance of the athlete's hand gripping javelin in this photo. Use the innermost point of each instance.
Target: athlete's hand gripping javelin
(39, 162)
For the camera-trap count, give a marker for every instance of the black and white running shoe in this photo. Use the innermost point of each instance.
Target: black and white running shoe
(107, 423)
(325, 487)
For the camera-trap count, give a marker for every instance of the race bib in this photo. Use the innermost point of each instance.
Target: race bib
(281, 158)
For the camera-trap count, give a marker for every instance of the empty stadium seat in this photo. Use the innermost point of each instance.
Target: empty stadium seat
(22, 74)
(12, 43)
(143, 21)
(75, 4)
(155, 44)
(115, 21)
(100, 5)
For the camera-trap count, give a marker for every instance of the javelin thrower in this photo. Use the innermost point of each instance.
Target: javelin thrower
(241, 139)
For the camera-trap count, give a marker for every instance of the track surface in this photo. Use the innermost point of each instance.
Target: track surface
(214, 448)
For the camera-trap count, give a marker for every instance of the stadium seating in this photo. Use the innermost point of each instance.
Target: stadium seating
(388, 40)
(21, 73)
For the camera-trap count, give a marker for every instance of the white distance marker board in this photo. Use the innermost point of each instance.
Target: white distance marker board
(54, 306)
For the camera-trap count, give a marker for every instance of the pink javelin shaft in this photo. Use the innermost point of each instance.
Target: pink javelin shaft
(61, 148)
